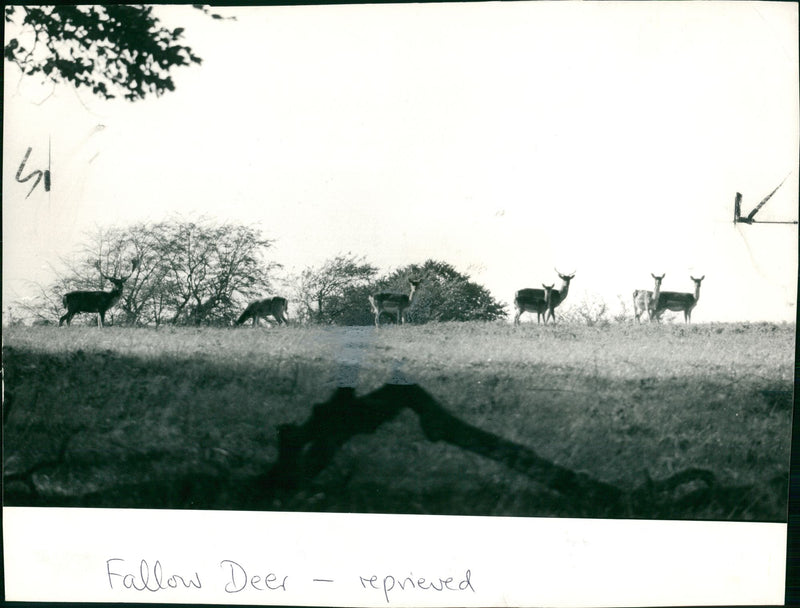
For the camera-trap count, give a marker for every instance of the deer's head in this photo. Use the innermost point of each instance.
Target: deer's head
(565, 277)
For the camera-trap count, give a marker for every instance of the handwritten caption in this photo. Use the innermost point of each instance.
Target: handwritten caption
(234, 577)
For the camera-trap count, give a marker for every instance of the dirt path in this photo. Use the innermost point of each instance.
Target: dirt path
(351, 348)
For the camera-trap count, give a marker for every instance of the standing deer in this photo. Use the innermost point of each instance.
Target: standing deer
(396, 303)
(275, 307)
(530, 300)
(548, 296)
(94, 301)
(675, 300)
(642, 302)
(558, 296)
(533, 300)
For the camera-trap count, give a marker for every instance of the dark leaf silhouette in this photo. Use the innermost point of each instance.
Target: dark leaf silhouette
(110, 49)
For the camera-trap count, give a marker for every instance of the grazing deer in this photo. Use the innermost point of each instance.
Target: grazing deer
(642, 302)
(533, 300)
(396, 303)
(675, 300)
(275, 307)
(94, 301)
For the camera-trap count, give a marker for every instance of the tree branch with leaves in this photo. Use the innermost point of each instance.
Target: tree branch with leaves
(112, 49)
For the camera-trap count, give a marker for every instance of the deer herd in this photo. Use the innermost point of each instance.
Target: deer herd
(543, 302)
(656, 302)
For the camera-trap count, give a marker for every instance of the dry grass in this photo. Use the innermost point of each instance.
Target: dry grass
(619, 403)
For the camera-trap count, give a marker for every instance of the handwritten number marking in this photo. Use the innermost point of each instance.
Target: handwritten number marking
(38, 174)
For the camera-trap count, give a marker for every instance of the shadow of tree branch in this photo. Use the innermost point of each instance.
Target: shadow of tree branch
(305, 450)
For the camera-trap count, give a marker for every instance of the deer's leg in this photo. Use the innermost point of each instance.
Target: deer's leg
(101, 319)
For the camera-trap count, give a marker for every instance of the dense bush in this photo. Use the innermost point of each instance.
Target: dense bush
(444, 295)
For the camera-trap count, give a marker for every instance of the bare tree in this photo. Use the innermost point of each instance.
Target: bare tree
(208, 266)
(325, 293)
(188, 272)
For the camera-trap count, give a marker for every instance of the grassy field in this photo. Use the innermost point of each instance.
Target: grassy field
(188, 418)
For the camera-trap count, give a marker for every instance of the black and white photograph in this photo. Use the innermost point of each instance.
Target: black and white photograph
(382, 279)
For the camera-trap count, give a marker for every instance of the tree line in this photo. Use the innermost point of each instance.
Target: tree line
(337, 293)
(204, 273)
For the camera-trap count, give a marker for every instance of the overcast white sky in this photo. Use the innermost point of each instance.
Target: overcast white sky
(607, 139)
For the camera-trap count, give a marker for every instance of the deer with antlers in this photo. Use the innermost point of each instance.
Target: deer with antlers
(675, 300)
(95, 301)
(536, 300)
